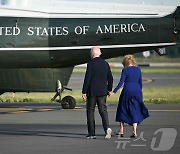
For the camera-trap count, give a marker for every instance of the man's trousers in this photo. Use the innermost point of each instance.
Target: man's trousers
(90, 106)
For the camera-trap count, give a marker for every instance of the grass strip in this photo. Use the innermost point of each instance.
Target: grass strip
(145, 70)
(166, 95)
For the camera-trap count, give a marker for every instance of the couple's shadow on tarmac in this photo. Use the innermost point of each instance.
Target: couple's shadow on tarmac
(47, 134)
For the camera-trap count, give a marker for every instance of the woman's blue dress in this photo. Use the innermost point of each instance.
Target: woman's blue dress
(131, 108)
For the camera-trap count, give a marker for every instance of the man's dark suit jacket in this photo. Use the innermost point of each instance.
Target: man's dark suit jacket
(98, 78)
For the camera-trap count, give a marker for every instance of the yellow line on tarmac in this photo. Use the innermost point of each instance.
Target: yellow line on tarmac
(147, 80)
(44, 110)
(18, 112)
(14, 109)
(78, 108)
(154, 110)
(114, 110)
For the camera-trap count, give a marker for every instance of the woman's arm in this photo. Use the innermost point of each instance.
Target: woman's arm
(122, 79)
(140, 80)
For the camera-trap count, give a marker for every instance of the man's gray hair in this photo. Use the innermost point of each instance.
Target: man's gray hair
(96, 51)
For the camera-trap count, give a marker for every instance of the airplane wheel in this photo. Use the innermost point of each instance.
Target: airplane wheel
(68, 102)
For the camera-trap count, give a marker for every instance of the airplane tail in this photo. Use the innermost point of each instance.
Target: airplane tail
(177, 23)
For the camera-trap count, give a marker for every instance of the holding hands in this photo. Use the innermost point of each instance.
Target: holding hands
(84, 96)
(110, 93)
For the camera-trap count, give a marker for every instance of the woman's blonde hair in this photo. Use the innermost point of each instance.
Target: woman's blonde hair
(129, 60)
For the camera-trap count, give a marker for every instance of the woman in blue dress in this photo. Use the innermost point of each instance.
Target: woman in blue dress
(131, 108)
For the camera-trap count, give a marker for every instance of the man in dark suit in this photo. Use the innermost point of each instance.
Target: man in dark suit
(97, 85)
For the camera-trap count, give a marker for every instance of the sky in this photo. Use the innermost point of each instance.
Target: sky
(148, 2)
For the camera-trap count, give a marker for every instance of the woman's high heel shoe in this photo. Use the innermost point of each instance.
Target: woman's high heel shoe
(119, 134)
(133, 136)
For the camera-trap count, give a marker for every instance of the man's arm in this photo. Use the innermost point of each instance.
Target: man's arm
(86, 81)
(109, 79)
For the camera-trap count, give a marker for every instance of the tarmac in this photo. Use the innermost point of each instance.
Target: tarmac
(30, 128)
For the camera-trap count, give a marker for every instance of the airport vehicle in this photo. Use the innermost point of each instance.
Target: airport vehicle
(40, 43)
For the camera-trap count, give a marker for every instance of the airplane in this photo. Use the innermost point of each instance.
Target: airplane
(42, 41)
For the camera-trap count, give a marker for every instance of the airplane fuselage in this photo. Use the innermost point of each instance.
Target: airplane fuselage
(63, 42)
(39, 48)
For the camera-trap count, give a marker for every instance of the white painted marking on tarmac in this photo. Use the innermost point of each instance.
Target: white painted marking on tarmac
(134, 145)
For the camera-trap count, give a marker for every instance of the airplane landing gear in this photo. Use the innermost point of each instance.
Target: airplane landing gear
(68, 102)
